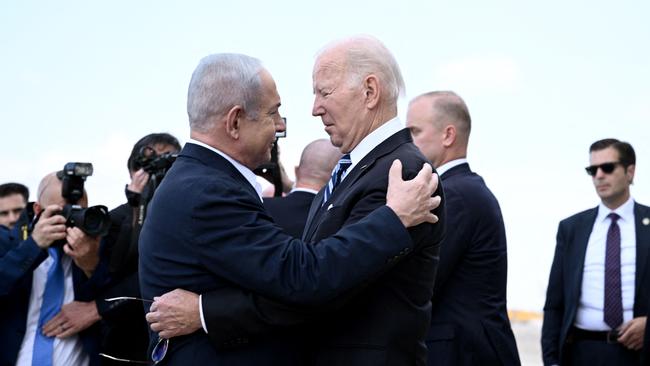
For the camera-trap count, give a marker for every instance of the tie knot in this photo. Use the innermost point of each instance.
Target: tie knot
(345, 162)
(614, 217)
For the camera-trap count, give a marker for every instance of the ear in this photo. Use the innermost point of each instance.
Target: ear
(37, 208)
(449, 135)
(233, 121)
(371, 90)
(630, 173)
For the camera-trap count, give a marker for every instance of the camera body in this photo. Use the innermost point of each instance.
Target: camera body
(94, 220)
(154, 164)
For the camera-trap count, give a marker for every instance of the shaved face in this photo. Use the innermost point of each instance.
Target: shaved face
(11, 207)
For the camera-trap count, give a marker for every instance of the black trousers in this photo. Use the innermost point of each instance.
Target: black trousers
(597, 353)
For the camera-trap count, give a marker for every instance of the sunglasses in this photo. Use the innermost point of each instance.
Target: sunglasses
(607, 168)
(159, 350)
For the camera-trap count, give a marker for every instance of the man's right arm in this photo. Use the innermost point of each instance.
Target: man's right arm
(554, 307)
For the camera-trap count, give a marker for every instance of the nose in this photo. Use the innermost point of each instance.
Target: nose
(317, 109)
(13, 217)
(280, 125)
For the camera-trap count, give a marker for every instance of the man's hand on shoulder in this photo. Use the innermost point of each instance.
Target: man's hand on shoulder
(411, 200)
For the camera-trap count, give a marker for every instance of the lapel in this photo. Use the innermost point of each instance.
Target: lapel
(317, 208)
(577, 251)
(215, 161)
(641, 215)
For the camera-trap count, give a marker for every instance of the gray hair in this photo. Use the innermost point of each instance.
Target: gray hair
(367, 55)
(220, 82)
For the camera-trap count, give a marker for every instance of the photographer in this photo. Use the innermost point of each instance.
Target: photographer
(124, 329)
(47, 286)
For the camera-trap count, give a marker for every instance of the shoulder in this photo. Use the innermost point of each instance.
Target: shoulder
(579, 217)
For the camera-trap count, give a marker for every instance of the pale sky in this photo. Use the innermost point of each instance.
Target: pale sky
(83, 81)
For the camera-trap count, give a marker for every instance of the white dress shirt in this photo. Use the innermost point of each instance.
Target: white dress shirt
(371, 141)
(68, 351)
(450, 164)
(592, 296)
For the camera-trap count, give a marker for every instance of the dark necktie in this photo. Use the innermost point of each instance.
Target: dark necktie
(52, 301)
(613, 309)
(337, 173)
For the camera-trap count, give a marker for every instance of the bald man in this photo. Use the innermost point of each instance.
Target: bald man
(47, 287)
(469, 319)
(316, 163)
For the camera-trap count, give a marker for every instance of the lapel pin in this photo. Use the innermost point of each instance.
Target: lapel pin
(646, 221)
(331, 205)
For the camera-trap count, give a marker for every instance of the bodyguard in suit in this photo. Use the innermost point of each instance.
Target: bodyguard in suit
(597, 297)
(317, 160)
(47, 311)
(469, 322)
(207, 228)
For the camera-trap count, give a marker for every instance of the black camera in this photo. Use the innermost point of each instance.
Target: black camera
(93, 220)
(154, 164)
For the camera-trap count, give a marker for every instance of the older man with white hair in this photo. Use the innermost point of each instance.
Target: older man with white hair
(356, 83)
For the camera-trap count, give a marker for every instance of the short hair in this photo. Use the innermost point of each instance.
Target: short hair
(367, 55)
(452, 107)
(150, 140)
(8, 189)
(220, 82)
(626, 153)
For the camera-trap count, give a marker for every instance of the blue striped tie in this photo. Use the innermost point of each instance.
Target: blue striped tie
(52, 301)
(337, 173)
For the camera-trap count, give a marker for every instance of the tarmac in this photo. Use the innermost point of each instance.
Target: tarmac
(527, 333)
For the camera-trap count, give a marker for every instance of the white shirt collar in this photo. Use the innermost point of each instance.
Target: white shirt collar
(625, 211)
(247, 173)
(373, 139)
(308, 190)
(450, 164)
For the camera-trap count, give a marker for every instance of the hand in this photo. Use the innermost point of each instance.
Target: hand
(174, 314)
(411, 200)
(138, 181)
(631, 333)
(72, 319)
(83, 249)
(50, 227)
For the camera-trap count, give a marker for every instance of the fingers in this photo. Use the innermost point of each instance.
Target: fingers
(53, 324)
(395, 172)
(425, 173)
(50, 211)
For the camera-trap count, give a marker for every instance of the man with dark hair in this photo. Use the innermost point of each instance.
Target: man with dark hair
(13, 201)
(124, 329)
(597, 297)
(469, 318)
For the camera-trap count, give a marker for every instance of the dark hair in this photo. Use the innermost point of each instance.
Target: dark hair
(8, 189)
(625, 151)
(150, 140)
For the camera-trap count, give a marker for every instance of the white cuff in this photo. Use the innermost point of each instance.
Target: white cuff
(205, 329)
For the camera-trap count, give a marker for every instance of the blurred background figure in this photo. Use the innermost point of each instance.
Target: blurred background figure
(124, 329)
(316, 163)
(469, 322)
(13, 201)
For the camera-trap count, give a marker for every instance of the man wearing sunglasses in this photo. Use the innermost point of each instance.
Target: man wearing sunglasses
(597, 297)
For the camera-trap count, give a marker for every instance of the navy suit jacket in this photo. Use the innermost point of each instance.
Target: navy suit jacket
(384, 321)
(290, 212)
(469, 323)
(565, 281)
(207, 229)
(18, 260)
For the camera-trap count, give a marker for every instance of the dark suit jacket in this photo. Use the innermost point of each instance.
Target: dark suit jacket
(469, 323)
(290, 212)
(383, 322)
(207, 229)
(565, 281)
(18, 260)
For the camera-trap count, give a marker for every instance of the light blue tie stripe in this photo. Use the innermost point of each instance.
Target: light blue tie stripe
(52, 301)
(340, 168)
